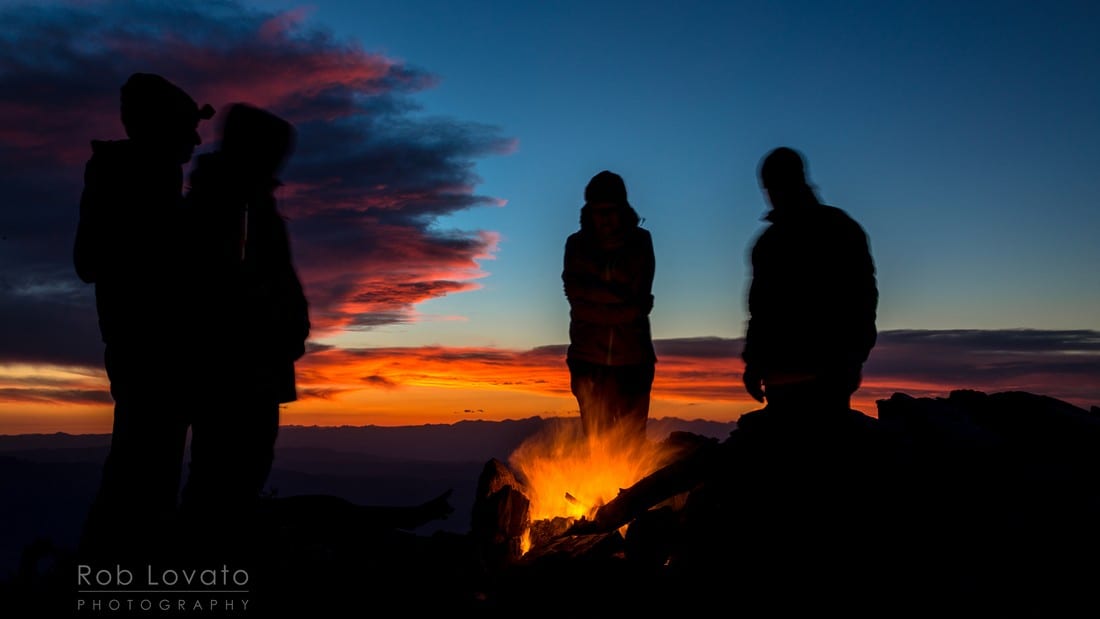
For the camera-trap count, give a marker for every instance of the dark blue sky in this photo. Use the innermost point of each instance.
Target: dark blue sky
(964, 136)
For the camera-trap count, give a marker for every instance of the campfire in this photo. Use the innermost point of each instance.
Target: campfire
(568, 476)
(554, 484)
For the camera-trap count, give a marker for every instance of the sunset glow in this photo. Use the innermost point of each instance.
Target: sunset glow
(436, 178)
(697, 378)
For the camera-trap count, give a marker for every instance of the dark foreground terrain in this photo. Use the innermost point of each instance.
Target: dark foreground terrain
(976, 504)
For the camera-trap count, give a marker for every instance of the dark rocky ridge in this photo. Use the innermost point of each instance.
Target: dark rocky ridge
(979, 504)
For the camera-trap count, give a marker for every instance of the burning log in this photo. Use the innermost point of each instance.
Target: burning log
(546, 530)
(501, 515)
(566, 547)
(553, 505)
(696, 461)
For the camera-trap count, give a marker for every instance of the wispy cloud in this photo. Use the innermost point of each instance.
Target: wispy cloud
(1060, 364)
(56, 396)
(365, 189)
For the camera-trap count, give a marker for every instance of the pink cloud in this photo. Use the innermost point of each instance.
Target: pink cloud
(364, 189)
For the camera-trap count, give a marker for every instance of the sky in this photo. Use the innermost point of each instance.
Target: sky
(443, 152)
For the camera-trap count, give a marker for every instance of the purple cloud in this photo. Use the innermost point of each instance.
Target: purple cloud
(366, 184)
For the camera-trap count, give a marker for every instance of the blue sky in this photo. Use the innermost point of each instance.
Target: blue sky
(962, 135)
(444, 148)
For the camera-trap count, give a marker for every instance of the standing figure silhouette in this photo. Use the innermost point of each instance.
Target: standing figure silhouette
(130, 243)
(813, 297)
(255, 322)
(608, 277)
(799, 507)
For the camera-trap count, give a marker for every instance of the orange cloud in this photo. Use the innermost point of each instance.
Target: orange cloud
(695, 378)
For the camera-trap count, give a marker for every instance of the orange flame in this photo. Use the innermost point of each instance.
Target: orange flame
(569, 474)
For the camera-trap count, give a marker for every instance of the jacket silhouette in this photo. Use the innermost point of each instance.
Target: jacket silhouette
(813, 296)
(256, 319)
(131, 244)
(608, 278)
(246, 246)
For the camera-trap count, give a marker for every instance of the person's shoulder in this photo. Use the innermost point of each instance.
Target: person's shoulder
(835, 213)
(832, 212)
(213, 160)
(838, 217)
(639, 237)
(112, 150)
(769, 233)
(109, 159)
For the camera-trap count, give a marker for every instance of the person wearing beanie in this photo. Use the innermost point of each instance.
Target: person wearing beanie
(130, 245)
(608, 279)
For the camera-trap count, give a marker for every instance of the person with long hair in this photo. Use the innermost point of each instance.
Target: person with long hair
(608, 278)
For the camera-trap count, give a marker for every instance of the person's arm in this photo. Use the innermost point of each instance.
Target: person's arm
(864, 295)
(757, 283)
(596, 301)
(297, 313)
(583, 304)
(643, 298)
(585, 301)
(580, 286)
(87, 247)
(592, 293)
(752, 377)
(294, 323)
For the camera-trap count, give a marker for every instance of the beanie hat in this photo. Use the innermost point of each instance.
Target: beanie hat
(148, 101)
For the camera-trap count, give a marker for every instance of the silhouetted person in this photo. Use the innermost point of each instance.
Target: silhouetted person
(797, 504)
(812, 300)
(129, 244)
(608, 278)
(798, 509)
(255, 320)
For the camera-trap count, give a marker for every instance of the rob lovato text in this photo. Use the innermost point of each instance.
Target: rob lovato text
(221, 590)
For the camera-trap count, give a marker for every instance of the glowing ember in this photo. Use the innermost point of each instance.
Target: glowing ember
(567, 474)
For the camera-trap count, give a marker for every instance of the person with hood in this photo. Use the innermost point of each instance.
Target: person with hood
(256, 320)
(130, 244)
(608, 279)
